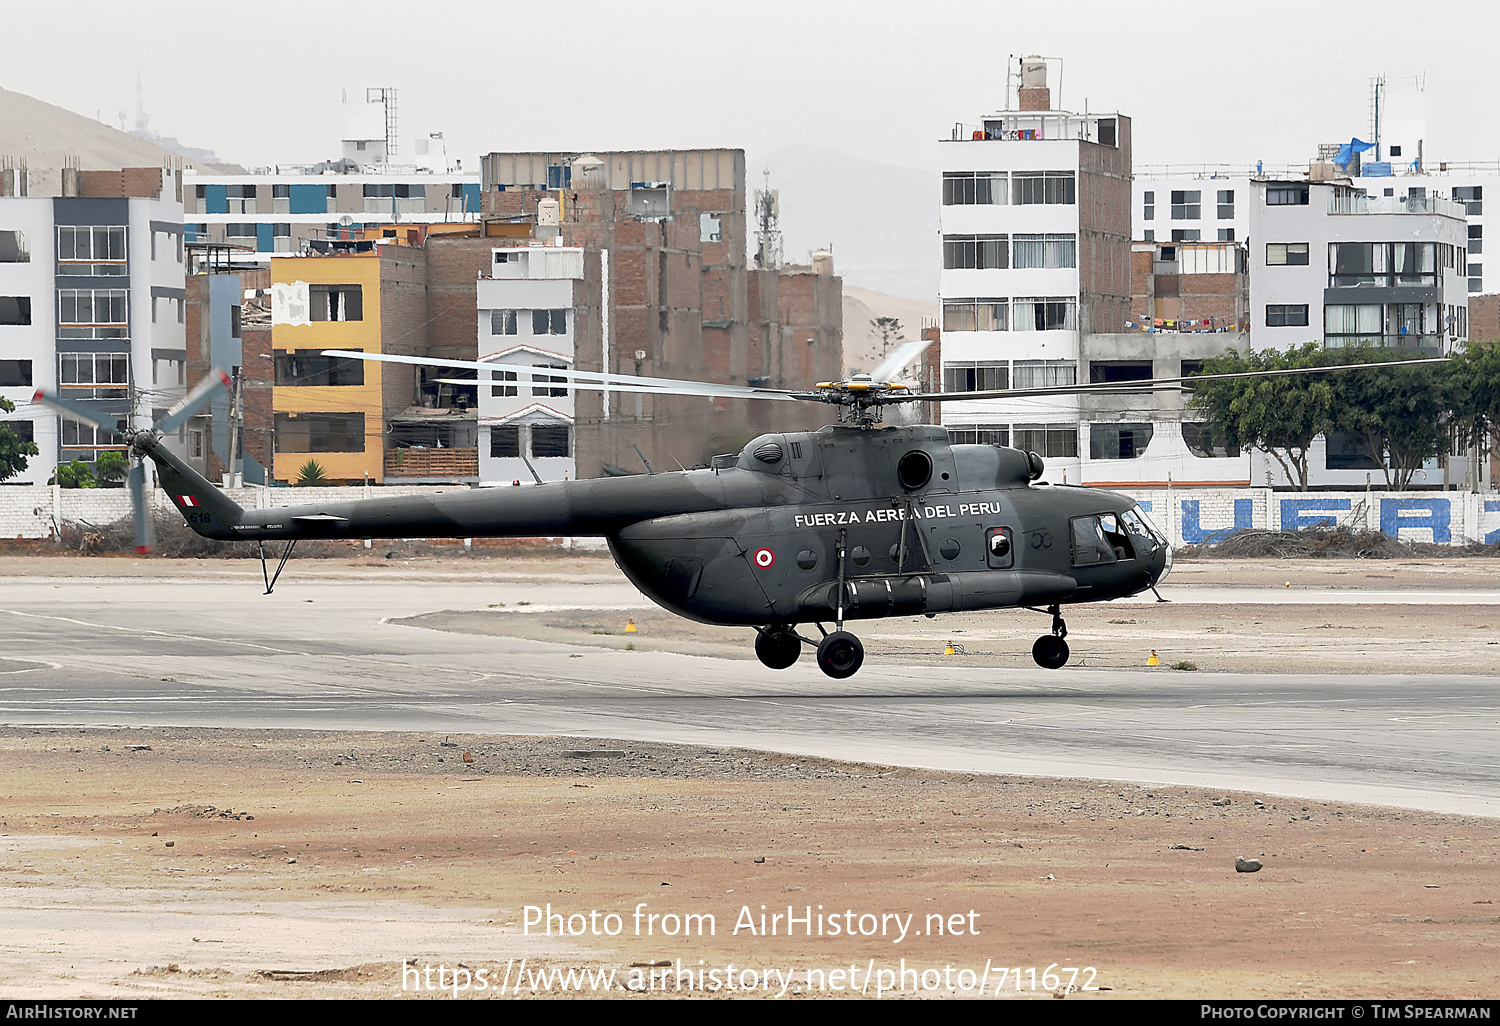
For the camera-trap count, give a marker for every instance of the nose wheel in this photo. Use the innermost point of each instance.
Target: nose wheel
(1050, 650)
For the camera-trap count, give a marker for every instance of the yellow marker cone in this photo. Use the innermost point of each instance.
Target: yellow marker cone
(1153, 661)
(949, 649)
(630, 627)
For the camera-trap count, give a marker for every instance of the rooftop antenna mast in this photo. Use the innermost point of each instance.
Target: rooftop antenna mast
(768, 225)
(1377, 101)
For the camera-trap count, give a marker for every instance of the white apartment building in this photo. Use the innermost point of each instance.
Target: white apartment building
(527, 326)
(1036, 250)
(277, 209)
(92, 307)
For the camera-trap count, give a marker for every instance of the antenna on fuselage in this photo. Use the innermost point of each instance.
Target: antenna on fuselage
(649, 471)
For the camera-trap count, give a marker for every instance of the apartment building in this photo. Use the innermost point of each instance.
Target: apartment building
(1036, 255)
(92, 306)
(278, 209)
(527, 322)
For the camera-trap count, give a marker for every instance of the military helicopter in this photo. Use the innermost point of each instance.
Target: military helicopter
(854, 521)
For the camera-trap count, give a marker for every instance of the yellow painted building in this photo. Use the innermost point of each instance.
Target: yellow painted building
(327, 409)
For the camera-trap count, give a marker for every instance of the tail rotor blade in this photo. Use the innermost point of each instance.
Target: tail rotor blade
(145, 530)
(202, 392)
(77, 411)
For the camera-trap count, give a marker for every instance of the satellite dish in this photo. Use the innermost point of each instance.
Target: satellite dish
(346, 220)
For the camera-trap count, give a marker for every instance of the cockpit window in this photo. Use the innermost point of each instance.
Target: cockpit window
(1090, 545)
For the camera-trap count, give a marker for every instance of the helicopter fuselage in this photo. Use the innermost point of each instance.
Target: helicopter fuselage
(909, 523)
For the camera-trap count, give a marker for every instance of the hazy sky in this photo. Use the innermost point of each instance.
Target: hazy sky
(1204, 82)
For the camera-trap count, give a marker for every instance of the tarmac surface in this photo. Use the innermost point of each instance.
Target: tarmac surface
(150, 645)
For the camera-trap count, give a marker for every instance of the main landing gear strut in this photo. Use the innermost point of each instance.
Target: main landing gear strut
(1050, 650)
(840, 654)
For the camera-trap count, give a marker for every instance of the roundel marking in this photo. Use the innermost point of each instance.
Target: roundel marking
(764, 558)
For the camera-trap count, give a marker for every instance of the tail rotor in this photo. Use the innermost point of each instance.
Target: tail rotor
(141, 442)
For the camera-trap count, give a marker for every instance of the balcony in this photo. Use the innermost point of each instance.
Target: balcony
(432, 464)
(1433, 344)
(1340, 202)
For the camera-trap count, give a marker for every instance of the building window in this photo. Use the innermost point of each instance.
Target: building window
(1149, 235)
(1031, 187)
(1381, 264)
(1055, 441)
(1353, 324)
(91, 250)
(976, 315)
(502, 322)
(1110, 371)
(15, 309)
(1226, 234)
(966, 188)
(505, 441)
(710, 227)
(503, 391)
(336, 303)
(320, 432)
(1149, 212)
(14, 248)
(15, 373)
(1118, 441)
(977, 252)
(549, 384)
(1286, 195)
(550, 441)
(1045, 251)
(1187, 205)
(1044, 374)
(1187, 234)
(1279, 254)
(549, 322)
(92, 306)
(87, 436)
(1476, 239)
(1052, 313)
(386, 190)
(1226, 204)
(94, 375)
(976, 377)
(300, 367)
(1286, 315)
(978, 434)
(1472, 197)
(1200, 441)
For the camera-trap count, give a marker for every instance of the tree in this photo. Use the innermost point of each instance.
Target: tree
(74, 474)
(1398, 417)
(1280, 416)
(13, 451)
(891, 333)
(111, 468)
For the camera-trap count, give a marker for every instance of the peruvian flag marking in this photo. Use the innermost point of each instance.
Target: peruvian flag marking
(187, 500)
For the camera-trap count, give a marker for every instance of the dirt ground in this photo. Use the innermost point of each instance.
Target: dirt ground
(241, 863)
(233, 863)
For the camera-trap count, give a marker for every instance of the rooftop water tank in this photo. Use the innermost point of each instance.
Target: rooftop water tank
(1033, 72)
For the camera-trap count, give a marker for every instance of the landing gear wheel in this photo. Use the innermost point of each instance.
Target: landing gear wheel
(840, 655)
(777, 648)
(1050, 652)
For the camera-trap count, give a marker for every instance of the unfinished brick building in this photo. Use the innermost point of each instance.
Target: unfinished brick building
(668, 291)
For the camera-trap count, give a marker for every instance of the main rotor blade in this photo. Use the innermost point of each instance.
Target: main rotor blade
(588, 380)
(145, 530)
(202, 392)
(1122, 387)
(77, 410)
(899, 360)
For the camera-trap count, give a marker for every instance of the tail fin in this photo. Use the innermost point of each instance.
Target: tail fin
(206, 509)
